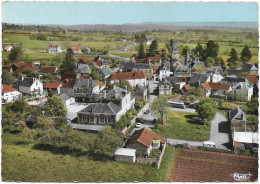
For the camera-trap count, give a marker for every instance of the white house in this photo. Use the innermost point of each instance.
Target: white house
(30, 85)
(216, 77)
(134, 78)
(54, 49)
(165, 70)
(244, 90)
(8, 48)
(85, 86)
(10, 94)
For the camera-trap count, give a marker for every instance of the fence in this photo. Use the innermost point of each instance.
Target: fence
(160, 157)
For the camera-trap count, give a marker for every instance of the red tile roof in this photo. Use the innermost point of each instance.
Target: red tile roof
(85, 77)
(128, 75)
(6, 88)
(153, 58)
(75, 47)
(68, 76)
(144, 137)
(52, 85)
(154, 69)
(101, 84)
(6, 67)
(19, 64)
(215, 85)
(69, 83)
(48, 69)
(83, 60)
(25, 66)
(251, 78)
(187, 87)
(53, 46)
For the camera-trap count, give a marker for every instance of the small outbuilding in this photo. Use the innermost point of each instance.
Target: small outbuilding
(125, 155)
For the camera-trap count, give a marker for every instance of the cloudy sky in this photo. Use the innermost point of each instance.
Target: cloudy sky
(127, 12)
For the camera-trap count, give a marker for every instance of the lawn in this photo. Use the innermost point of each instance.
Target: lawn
(181, 126)
(26, 161)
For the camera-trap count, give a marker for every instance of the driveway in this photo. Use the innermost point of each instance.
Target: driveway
(219, 133)
(148, 126)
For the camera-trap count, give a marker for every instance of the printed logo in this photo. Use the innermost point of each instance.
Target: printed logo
(241, 177)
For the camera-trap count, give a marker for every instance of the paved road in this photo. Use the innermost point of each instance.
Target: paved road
(148, 126)
(182, 110)
(218, 134)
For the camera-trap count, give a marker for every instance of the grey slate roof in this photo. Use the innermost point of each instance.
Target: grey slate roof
(140, 88)
(180, 69)
(198, 77)
(27, 82)
(85, 83)
(166, 65)
(140, 66)
(121, 93)
(236, 113)
(106, 72)
(195, 63)
(102, 108)
(234, 79)
(64, 97)
(83, 68)
(242, 85)
(174, 80)
(249, 66)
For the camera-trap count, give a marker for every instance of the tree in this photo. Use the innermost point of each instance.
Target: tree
(141, 53)
(253, 105)
(153, 50)
(67, 65)
(210, 61)
(199, 51)
(159, 106)
(29, 72)
(206, 109)
(184, 51)
(95, 75)
(54, 107)
(233, 58)
(7, 78)
(16, 54)
(211, 50)
(106, 142)
(246, 54)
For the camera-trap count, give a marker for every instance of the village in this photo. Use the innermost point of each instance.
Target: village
(140, 100)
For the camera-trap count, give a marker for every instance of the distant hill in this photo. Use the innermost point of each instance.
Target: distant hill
(171, 26)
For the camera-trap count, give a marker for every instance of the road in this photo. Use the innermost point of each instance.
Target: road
(119, 57)
(218, 134)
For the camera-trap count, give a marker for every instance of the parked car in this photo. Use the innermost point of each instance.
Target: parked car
(209, 144)
(147, 111)
(138, 125)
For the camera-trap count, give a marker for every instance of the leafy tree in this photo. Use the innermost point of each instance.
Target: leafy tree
(211, 50)
(253, 105)
(16, 54)
(54, 107)
(67, 65)
(138, 104)
(143, 36)
(206, 109)
(199, 51)
(246, 54)
(184, 51)
(107, 141)
(233, 58)
(210, 61)
(153, 50)
(7, 78)
(199, 68)
(159, 106)
(95, 75)
(141, 53)
(29, 72)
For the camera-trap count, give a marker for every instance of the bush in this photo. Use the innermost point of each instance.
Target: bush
(133, 111)
(139, 105)
(192, 98)
(129, 115)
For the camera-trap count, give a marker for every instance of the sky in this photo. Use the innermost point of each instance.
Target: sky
(127, 12)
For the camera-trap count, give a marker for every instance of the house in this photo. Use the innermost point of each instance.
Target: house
(74, 49)
(145, 67)
(125, 155)
(233, 80)
(144, 141)
(153, 61)
(197, 78)
(237, 118)
(48, 69)
(85, 86)
(165, 88)
(121, 97)
(181, 71)
(100, 84)
(214, 89)
(243, 141)
(82, 69)
(193, 64)
(175, 62)
(68, 80)
(175, 51)
(165, 70)
(100, 114)
(252, 79)
(134, 78)
(100, 63)
(54, 49)
(250, 68)
(177, 82)
(30, 85)
(67, 101)
(8, 48)
(20, 66)
(243, 90)
(106, 72)
(7, 68)
(53, 86)
(87, 50)
(140, 92)
(10, 94)
(83, 60)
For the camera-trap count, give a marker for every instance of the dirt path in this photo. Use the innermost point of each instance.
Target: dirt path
(169, 167)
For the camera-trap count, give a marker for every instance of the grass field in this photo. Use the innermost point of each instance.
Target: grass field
(23, 161)
(124, 54)
(181, 126)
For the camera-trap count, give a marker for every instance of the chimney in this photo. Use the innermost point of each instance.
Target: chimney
(116, 95)
(105, 94)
